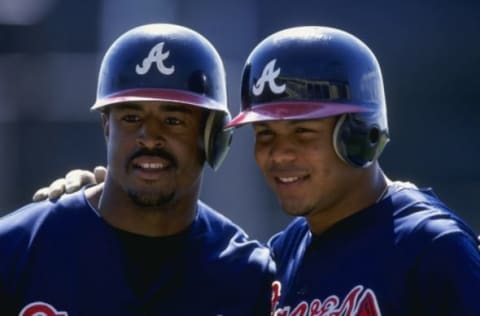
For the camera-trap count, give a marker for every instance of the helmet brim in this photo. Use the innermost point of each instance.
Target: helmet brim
(275, 111)
(159, 95)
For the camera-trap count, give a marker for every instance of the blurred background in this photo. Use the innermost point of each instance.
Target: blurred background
(50, 52)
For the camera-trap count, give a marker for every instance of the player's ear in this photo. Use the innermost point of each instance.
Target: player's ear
(105, 124)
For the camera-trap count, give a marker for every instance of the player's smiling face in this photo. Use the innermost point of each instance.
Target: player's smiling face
(155, 152)
(299, 163)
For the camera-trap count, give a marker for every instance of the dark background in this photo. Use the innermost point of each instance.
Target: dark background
(429, 51)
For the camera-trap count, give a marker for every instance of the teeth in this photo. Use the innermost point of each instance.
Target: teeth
(151, 165)
(288, 179)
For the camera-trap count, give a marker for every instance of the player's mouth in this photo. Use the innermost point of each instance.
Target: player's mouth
(150, 167)
(290, 180)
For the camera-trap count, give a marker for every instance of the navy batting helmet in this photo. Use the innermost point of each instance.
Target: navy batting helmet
(171, 63)
(315, 72)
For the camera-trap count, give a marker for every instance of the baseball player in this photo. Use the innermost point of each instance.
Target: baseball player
(143, 244)
(361, 244)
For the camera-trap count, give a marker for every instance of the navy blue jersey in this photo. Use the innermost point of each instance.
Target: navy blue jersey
(63, 259)
(406, 255)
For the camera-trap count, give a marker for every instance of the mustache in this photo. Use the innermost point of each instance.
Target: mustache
(280, 168)
(157, 152)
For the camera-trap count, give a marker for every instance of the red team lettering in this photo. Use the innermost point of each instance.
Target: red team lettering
(355, 303)
(40, 309)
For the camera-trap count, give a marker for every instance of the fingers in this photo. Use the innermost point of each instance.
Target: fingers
(76, 179)
(57, 188)
(53, 192)
(100, 173)
(41, 194)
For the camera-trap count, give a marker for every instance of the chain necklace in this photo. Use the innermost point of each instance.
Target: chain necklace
(383, 194)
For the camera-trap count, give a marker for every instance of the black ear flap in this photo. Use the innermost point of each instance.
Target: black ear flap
(217, 139)
(357, 143)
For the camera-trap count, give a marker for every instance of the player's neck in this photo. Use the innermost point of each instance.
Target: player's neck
(368, 191)
(121, 212)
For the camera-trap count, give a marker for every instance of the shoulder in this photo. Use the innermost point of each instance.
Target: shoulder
(29, 231)
(435, 241)
(31, 218)
(211, 221)
(421, 218)
(225, 252)
(290, 238)
(227, 238)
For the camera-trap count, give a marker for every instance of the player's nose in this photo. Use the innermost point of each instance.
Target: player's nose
(151, 135)
(282, 151)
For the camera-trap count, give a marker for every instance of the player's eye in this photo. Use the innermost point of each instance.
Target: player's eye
(263, 132)
(262, 135)
(131, 118)
(171, 120)
(301, 130)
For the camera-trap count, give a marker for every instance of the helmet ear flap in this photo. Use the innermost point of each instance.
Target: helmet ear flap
(356, 142)
(216, 138)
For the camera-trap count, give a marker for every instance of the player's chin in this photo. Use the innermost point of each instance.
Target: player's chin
(150, 199)
(295, 207)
